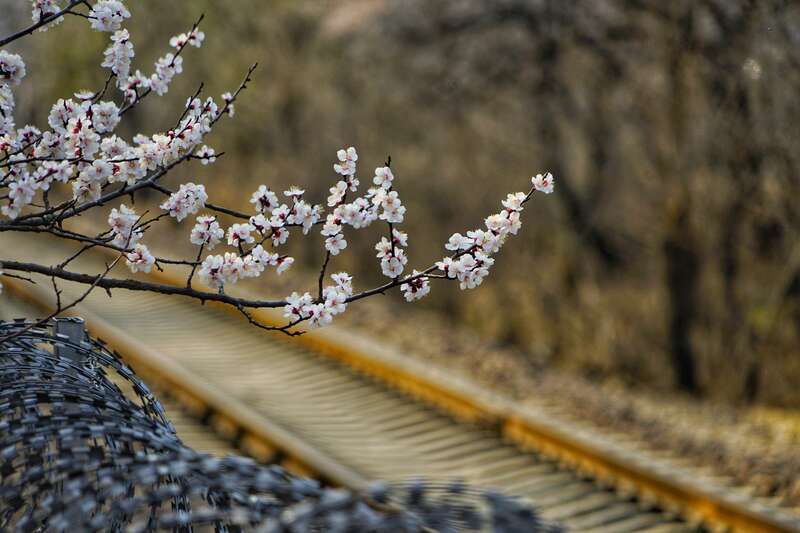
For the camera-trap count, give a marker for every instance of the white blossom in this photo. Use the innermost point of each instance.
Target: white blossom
(256, 261)
(135, 83)
(258, 255)
(63, 112)
(488, 241)
(107, 15)
(280, 216)
(7, 123)
(279, 235)
(469, 269)
(84, 95)
(228, 99)
(81, 150)
(20, 194)
(240, 234)
(543, 183)
(337, 193)
(347, 162)
(166, 67)
(80, 139)
(392, 265)
(260, 223)
(41, 9)
(232, 268)
(211, 271)
(513, 202)
(251, 268)
(359, 213)
(294, 192)
(284, 263)
(304, 215)
(448, 266)
(98, 171)
(123, 226)
(320, 315)
(393, 209)
(415, 288)
(459, 242)
(12, 68)
(194, 38)
(105, 116)
(207, 232)
(383, 247)
(129, 171)
(206, 154)
(383, 177)
(118, 55)
(264, 199)
(59, 171)
(344, 282)
(114, 147)
(400, 238)
(140, 259)
(220, 270)
(335, 244)
(335, 299)
(83, 189)
(298, 306)
(331, 226)
(187, 200)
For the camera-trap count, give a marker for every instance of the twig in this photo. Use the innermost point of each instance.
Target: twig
(43, 22)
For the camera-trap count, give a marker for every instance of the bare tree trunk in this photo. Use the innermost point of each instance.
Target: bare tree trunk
(682, 273)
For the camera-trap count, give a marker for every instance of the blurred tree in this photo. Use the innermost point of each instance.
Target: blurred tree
(673, 129)
(635, 97)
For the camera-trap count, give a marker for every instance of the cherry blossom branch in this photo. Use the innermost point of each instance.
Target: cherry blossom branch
(137, 285)
(43, 218)
(43, 22)
(218, 208)
(60, 308)
(82, 152)
(93, 242)
(286, 329)
(21, 278)
(194, 266)
(64, 160)
(140, 97)
(322, 274)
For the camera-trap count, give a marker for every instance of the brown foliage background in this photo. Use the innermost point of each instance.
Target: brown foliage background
(669, 256)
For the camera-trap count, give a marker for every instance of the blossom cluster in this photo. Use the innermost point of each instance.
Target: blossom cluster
(226, 269)
(80, 150)
(302, 307)
(269, 225)
(189, 199)
(140, 259)
(41, 9)
(378, 203)
(392, 254)
(123, 227)
(473, 252)
(107, 15)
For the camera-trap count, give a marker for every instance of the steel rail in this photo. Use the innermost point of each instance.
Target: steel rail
(465, 401)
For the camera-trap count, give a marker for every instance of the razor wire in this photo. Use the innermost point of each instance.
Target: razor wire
(85, 445)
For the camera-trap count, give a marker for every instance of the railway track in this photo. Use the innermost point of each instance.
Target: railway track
(347, 411)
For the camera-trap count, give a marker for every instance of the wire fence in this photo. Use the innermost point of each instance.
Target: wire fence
(85, 445)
